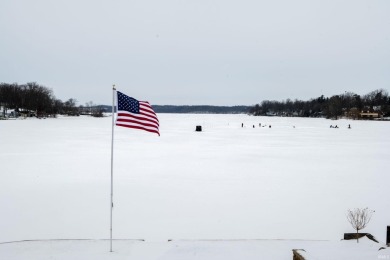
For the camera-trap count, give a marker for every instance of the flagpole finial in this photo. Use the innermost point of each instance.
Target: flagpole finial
(113, 87)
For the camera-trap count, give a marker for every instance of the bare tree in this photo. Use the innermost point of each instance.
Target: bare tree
(70, 106)
(359, 218)
(89, 106)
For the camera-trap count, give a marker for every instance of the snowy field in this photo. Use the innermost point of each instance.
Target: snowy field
(226, 183)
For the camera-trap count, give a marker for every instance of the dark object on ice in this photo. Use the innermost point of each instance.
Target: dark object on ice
(198, 128)
(259, 124)
(388, 236)
(349, 126)
(242, 125)
(253, 126)
(297, 255)
(349, 236)
(336, 126)
(269, 126)
(331, 126)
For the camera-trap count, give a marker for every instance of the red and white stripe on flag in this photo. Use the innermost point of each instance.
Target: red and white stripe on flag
(136, 114)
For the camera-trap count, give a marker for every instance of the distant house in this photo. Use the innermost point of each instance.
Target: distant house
(271, 113)
(370, 115)
(295, 113)
(8, 113)
(12, 114)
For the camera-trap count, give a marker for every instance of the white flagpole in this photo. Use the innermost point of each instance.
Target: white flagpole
(112, 163)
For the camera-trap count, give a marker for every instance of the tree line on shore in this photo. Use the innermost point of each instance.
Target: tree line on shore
(32, 99)
(349, 104)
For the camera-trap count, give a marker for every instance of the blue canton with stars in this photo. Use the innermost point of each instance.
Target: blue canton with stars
(126, 103)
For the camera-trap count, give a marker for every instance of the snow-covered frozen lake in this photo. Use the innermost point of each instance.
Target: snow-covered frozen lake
(226, 182)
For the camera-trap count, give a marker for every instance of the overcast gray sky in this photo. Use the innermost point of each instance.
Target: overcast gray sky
(217, 52)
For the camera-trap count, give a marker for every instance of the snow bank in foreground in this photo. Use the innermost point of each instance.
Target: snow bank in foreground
(182, 250)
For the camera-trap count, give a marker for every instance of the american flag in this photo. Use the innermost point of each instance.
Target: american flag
(136, 114)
